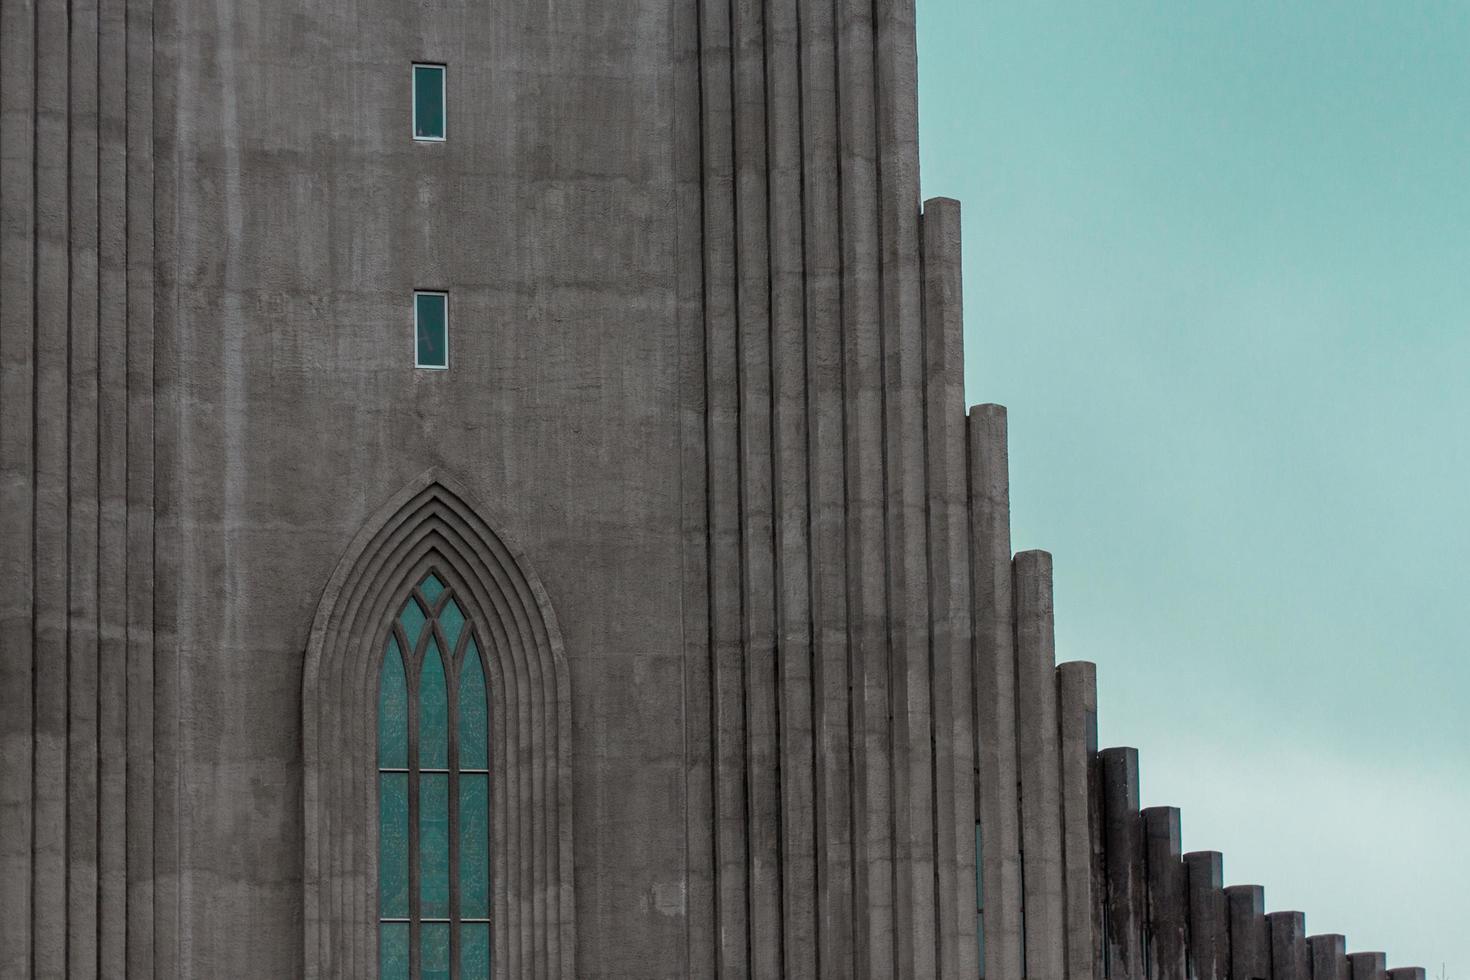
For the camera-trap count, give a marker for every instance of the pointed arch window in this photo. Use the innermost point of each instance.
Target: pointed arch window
(433, 793)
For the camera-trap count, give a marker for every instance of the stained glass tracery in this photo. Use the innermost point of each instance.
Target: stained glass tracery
(434, 794)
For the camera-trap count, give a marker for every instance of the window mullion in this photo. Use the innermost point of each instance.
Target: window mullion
(414, 969)
(451, 670)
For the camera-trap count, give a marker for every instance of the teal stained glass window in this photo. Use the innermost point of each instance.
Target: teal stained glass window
(431, 330)
(433, 793)
(428, 102)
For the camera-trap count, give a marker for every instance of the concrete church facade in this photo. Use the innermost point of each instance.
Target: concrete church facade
(671, 629)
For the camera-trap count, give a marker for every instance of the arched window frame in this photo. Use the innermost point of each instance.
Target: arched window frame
(435, 522)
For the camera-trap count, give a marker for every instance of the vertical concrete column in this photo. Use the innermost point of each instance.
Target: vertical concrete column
(1123, 856)
(722, 420)
(1209, 925)
(862, 313)
(792, 493)
(1368, 966)
(17, 482)
(49, 693)
(82, 810)
(757, 520)
(112, 485)
(1328, 954)
(997, 801)
(146, 923)
(1077, 716)
(1406, 973)
(897, 122)
(1039, 765)
(952, 681)
(827, 433)
(1250, 944)
(1167, 902)
(1289, 959)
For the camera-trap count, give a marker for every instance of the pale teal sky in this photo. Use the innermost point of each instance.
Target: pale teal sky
(1218, 267)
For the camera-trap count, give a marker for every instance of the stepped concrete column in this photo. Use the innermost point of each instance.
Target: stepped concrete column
(1122, 834)
(1288, 931)
(1209, 926)
(1166, 904)
(1368, 966)
(1328, 954)
(1250, 948)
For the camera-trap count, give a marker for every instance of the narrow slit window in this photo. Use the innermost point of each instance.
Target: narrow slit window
(428, 103)
(431, 330)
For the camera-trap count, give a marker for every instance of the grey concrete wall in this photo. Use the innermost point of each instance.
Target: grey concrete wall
(552, 216)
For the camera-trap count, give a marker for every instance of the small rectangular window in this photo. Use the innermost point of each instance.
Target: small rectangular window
(431, 330)
(428, 102)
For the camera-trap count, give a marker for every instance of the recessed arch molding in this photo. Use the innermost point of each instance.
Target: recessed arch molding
(435, 524)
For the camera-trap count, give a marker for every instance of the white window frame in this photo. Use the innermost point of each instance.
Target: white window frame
(430, 292)
(413, 122)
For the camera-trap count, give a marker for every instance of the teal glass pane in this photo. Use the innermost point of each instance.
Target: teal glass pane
(451, 621)
(434, 845)
(393, 845)
(474, 951)
(431, 323)
(474, 715)
(413, 621)
(980, 941)
(474, 847)
(433, 712)
(432, 589)
(393, 951)
(428, 102)
(434, 962)
(392, 711)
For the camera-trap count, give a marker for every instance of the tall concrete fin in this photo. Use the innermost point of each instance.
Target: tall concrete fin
(18, 524)
(952, 682)
(1165, 882)
(722, 408)
(790, 439)
(1123, 842)
(1250, 942)
(1038, 765)
(896, 122)
(1077, 721)
(1209, 924)
(998, 805)
(828, 487)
